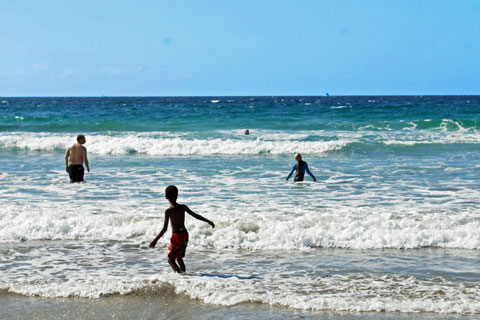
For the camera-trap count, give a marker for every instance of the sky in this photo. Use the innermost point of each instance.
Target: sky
(239, 47)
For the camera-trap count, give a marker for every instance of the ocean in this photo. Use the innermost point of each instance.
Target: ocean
(389, 231)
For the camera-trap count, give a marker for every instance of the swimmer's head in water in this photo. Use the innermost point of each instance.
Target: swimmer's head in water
(298, 156)
(171, 193)
(81, 139)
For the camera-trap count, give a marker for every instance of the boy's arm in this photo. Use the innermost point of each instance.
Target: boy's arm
(199, 217)
(86, 160)
(308, 171)
(291, 172)
(164, 229)
(67, 154)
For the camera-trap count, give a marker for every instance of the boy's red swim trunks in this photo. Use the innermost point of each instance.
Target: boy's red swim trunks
(178, 245)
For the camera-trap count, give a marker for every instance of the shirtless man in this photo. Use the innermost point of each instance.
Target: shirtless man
(78, 155)
(179, 240)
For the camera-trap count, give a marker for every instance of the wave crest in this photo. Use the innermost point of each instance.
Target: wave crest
(349, 292)
(305, 230)
(164, 145)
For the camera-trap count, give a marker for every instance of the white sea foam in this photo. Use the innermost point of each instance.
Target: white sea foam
(92, 269)
(340, 293)
(234, 142)
(411, 137)
(350, 292)
(269, 229)
(163, 145)
(252, 207)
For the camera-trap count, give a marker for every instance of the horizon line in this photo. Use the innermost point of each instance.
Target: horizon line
(230, 96)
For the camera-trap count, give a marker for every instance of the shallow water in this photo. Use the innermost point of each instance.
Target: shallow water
(179, 307)
(390, 230)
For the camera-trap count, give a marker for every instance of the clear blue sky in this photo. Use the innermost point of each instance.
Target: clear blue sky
(280, 47)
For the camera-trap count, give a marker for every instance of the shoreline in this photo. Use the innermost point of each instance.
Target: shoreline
(170, 307)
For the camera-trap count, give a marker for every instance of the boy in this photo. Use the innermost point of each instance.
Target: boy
(301, 167)
(78, 155)
(178, 243)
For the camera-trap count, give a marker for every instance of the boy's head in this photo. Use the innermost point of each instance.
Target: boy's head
(171, 193)
(81, 139)
(298, 156)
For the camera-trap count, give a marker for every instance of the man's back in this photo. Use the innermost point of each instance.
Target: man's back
(77, 154)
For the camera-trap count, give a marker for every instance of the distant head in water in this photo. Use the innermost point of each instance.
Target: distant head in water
(171, 193)
(81, 139)
(247, 132)
(298, 156)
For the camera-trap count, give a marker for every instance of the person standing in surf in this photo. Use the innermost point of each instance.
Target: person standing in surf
(300, 167)
(179, 240)
(75, 156)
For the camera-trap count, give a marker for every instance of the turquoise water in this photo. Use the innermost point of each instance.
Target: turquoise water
(391, 226)
(203, 114)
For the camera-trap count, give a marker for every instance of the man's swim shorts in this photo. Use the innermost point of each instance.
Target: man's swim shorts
(178, 244)
(76, 172)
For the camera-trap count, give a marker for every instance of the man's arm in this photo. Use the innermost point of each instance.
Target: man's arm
(309, 173)
(164, 229)
(86, 160)
(67, 154)
(291, 172)
(199, 217)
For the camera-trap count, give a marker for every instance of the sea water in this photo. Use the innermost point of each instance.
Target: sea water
(391, 227)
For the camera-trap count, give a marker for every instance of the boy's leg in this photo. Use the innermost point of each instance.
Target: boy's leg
(181, 264)
(174, 266)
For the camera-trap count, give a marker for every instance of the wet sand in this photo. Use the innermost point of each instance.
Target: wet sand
(171, 307)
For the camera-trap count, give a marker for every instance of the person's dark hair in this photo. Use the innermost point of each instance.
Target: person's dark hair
(171, 193)
(80, 137)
